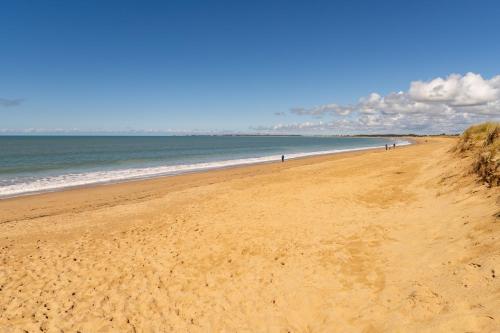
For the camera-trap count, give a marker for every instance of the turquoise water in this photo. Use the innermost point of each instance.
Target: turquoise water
(44, 163)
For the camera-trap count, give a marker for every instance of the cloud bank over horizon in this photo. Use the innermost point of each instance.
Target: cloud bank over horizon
(440, 105)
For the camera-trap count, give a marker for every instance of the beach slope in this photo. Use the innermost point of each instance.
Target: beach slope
(400, 240)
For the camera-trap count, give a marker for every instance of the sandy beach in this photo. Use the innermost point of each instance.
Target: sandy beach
(404, 240)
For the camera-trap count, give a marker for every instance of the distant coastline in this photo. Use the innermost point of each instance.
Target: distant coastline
(226, 135)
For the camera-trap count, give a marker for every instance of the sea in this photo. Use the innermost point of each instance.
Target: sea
(34, 164)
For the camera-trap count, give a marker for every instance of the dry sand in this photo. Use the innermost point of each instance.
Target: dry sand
(376, 241)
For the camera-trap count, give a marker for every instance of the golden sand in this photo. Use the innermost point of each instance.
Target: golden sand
(375, 241)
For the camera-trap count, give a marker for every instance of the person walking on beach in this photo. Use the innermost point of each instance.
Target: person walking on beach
(386, 147)
(393, 146)
(282, 158)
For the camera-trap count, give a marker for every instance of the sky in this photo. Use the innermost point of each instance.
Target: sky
(311, 67)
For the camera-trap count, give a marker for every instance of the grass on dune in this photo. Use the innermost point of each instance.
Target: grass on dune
(482, 143)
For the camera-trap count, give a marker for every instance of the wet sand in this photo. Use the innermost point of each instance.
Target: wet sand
(401, 240)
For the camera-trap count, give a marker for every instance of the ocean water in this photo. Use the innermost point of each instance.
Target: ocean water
(32, 164)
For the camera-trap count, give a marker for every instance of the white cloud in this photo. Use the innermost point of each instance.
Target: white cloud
(321, 110)
(457, 90)
(438, 105)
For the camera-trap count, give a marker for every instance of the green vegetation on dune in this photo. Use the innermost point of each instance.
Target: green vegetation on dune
(482, 143)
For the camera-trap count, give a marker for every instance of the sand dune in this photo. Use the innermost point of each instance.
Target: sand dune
(378, 241)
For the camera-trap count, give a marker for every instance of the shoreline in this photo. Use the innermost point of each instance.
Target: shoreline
(107, 195)
(263, 160)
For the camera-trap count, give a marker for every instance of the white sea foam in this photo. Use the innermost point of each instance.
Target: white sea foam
(54, 183)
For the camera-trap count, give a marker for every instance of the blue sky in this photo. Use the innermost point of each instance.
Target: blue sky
(247, 66)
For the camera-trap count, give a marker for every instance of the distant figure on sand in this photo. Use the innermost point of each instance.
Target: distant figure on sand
(386, 146)
(282, 158)
(394, 146)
